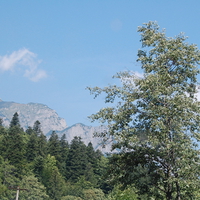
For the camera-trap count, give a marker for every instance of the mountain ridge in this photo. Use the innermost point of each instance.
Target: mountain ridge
(50, 121)
(31, 112)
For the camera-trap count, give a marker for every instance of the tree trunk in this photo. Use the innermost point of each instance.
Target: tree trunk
(178, 196)
(169, 195)
(17, 194)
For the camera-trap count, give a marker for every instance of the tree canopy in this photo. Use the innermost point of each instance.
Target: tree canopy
(155, 122)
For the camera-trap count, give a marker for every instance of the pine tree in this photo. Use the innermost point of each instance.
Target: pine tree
(77, 160)
(1, 122)
(91, 154)
(15, 120)
(92, 166)
(32, 147)
(35, 141)
(42, 143)
(15, 147)
(3, 142)
(37, 128)
(38, 166)
(54, 146)
(64, 149)
(29, 130)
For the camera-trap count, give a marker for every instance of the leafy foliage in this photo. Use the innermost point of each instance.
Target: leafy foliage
(155, 122)
(70, 197)
(93, 194)
(34, 189)
(52, 178)
(8, 178)
(130, 193)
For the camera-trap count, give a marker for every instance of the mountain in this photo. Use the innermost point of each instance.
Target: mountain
(29, 113)
(50, 121)
(86, 133)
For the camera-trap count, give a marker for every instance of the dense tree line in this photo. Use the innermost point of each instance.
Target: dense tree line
(49, 169)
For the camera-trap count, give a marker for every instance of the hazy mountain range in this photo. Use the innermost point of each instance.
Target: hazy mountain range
(50, 121)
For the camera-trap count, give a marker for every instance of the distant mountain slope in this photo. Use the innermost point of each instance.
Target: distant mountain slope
(86, 133)
(50, 121)
(29, 113)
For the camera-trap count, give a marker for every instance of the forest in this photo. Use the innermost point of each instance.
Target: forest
(48, 169)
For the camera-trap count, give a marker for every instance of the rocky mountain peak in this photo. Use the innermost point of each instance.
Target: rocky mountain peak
(31, 112)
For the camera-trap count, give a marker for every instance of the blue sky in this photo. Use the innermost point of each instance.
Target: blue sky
(52, 50)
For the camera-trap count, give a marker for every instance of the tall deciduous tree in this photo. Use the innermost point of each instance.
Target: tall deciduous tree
(156, 120)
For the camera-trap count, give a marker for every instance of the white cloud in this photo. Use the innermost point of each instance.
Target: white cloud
(198, 94)
(129, 77)
(139, 75)
(35, 74)
(25, 58)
